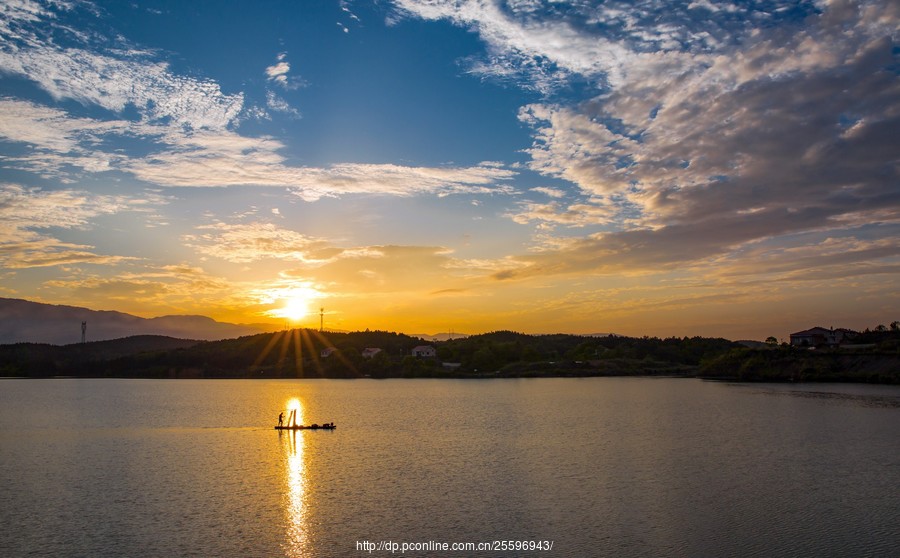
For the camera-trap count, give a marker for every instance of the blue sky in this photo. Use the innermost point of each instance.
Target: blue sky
(659, 168)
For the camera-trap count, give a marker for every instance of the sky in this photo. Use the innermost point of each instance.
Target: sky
(661, 168)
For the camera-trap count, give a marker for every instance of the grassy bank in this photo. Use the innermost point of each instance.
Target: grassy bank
(801, 365)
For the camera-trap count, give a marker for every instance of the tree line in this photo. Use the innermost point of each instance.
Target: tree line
(306, 353)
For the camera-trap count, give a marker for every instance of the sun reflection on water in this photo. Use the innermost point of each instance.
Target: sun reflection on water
(296, 482)
(295, 412)
(296, 509)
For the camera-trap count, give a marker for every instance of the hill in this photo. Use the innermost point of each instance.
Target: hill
(116, 348)
(80, 359)
(304, 353)
(439, 336)
(23, 321)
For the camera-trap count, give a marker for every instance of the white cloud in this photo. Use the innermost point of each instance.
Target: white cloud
(572, 215)
(244, 243)
(60, 146)
(32, 208)
(111, 78)
(401, 180)
(278, 104)
(26, 214)
(42, 127)
(215, 158)
(550, 192)
(547, 51)
(717, 127)
(549, 42)
(278, 73)
(225, 158)
(769, 109)
(114, 84)
(186, 125)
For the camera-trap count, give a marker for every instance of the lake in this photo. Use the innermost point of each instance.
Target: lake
(572, 467)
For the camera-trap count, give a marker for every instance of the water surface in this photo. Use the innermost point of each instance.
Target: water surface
(598, 466)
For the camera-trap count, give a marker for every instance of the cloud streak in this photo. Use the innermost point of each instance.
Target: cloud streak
(28, 214)
(188, 124)
(215, 158)
(717, 126)
(228, 159)
(115, 78)
(244, 243)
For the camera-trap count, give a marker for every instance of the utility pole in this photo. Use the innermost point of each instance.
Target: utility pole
(83, 332)
(321, 320)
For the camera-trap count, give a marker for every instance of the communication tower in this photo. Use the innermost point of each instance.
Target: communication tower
(83, 332)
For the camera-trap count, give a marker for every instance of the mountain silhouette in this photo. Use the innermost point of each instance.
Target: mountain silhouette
(34, 322)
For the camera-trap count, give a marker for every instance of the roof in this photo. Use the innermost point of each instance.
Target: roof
(813, 331)
(822, 331)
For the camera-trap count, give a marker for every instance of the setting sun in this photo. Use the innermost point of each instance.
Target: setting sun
(294, 309)
(295, 302)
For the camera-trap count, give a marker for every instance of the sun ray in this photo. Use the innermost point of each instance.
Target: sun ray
(265, 352)
(282, 354)
(312, 349)
(321, 336)
(298, 353)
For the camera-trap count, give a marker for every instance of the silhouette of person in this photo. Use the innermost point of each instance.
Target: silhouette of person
(280, 419)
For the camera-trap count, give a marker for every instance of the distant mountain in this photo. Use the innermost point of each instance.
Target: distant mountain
(448, 336)
(439, 336)
(115, 348)
(33, 322)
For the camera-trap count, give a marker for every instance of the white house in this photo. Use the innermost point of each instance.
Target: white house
(327, 351)
(424, 351)
(369, 352)
(819, 336)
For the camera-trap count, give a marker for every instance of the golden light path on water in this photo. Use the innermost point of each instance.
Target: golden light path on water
(296, 509)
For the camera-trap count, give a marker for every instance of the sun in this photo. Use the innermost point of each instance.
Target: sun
(296, 303)
(294, 309)
(289, 300)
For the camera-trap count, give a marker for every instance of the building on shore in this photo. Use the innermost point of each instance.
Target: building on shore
(424, 351)
(822, 337)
